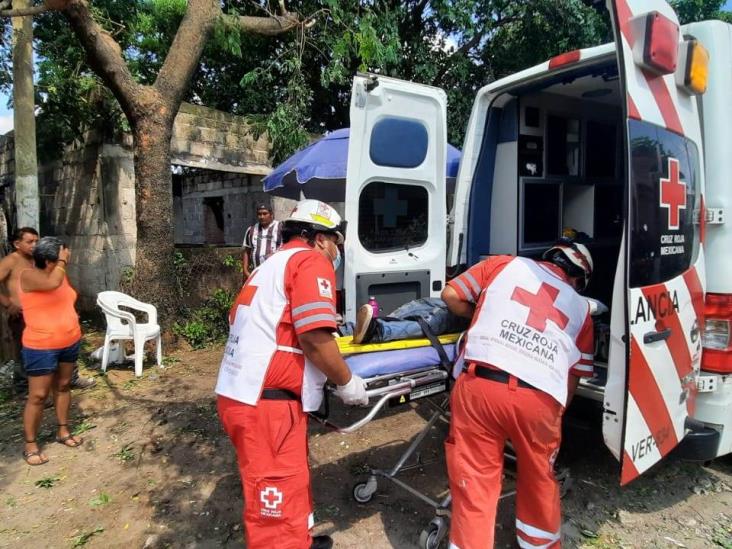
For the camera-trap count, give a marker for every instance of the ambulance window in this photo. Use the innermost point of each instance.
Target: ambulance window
(392, 216)
(664, 195)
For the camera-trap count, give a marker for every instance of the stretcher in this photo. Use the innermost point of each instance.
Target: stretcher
(401, 372)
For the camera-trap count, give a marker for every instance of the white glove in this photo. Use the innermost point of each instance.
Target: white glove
(353, 393)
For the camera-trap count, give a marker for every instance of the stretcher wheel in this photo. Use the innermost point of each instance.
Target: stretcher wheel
(363, 492)
(433, 536)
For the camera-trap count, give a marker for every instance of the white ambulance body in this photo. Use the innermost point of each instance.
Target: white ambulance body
(615, 142)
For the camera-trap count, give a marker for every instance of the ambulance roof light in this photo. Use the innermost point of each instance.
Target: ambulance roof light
(656, 44)
(693, 72)
(563, 59)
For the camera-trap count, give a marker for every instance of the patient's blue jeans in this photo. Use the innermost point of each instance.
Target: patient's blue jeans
(401, 323)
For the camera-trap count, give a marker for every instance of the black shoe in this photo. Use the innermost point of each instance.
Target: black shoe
(322, 542)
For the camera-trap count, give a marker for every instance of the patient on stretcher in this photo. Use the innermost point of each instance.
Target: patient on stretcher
(404, 322)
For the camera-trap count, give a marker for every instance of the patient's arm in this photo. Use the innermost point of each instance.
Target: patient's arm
(456, 305)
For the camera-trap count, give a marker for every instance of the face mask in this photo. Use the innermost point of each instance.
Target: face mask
(337, 260)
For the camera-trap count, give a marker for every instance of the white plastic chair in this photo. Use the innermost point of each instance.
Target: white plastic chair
(122, 324)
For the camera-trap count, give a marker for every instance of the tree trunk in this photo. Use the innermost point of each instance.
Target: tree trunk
(154, 270)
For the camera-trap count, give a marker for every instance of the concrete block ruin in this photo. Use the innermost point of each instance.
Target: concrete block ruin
(88, 195)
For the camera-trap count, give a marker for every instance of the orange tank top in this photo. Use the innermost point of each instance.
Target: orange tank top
(50, 319)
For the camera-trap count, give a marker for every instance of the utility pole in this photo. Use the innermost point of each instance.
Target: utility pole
(26, 162)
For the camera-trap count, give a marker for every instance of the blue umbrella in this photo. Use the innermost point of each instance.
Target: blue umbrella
(319, 170)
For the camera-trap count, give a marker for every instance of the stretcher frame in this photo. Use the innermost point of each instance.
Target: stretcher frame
(387, 387)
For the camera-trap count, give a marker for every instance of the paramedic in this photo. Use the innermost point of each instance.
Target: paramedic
(530, 339)
(279, 353)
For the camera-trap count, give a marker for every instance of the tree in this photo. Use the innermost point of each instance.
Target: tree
(150, 109)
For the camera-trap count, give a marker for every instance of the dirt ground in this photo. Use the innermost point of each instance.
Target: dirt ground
(156, 470)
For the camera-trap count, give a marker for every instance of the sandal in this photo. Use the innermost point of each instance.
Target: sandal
(37, 453)
(70, 438)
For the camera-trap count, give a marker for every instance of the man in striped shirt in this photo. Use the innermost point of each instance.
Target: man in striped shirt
(261, 239)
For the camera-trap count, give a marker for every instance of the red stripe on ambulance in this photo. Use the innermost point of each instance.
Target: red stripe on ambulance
(659, 88)
(642, 385)
(628, 472)
(696, 291)
(657, 85)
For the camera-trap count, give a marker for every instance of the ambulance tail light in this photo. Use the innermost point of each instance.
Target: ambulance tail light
(564, 59)
(717, 337)
(656, 45)
(693, 72)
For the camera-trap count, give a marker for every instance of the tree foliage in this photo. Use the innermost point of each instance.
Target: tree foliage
(297, 84)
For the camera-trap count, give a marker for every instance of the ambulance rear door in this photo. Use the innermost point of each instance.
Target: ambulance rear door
(395, 193)
(657, 308)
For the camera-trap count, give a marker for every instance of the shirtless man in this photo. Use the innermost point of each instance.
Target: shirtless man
(11, 265)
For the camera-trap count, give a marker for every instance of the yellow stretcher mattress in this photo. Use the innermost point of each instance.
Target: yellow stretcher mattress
(347, 347)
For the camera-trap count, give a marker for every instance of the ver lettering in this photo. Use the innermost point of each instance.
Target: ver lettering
(642, 447)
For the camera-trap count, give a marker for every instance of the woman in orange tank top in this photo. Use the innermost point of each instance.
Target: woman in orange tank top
(50, 342)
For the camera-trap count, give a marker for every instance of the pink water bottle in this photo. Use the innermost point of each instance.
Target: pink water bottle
(374, 305)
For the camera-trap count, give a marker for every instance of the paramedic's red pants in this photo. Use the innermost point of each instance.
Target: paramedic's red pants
(271, 448)
(484, 414)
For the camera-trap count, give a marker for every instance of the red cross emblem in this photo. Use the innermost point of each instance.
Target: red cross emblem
(541, 306)
(324, 284)
(271, 497)
(673, 194)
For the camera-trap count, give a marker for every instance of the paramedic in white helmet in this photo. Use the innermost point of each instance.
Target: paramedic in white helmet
(530, 339)
(279, 353)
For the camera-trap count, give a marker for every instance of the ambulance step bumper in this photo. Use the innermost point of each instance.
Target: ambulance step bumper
(700, 444)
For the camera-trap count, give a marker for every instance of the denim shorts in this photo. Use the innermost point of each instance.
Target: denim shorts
(40, 362)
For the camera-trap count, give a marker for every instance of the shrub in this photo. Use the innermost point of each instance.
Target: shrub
(209, 323)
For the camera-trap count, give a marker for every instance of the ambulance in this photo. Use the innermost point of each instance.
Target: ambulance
(628, 143)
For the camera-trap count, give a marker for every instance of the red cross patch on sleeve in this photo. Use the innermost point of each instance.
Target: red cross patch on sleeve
(325, 288)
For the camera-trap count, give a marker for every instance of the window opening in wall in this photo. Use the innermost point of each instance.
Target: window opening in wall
(214, 219)
(392, 216)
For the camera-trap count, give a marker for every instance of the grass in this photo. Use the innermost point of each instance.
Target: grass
(130, 384)
(83, 427)
(47, 482)
(168, 360)
(723, 537)
(101, 500)
(126, 454)
(10, 501)
(84, 537)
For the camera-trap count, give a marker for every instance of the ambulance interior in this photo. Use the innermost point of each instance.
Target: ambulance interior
(555, 149)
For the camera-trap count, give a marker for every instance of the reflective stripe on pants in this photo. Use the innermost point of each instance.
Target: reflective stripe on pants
(271, 448)
(484, 415)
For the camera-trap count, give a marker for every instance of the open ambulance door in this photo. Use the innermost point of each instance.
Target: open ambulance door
(655, 349)
(395, 193)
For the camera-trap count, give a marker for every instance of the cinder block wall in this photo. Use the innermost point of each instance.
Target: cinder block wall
(88, 200)
(240, 193)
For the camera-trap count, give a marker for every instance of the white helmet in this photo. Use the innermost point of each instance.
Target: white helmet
(316, 216)
(573, 258)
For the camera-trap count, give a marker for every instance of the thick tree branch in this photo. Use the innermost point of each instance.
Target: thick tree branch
(185, 52)
(105, 57)
(270, 26)
(24, 12)
(462, 50)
